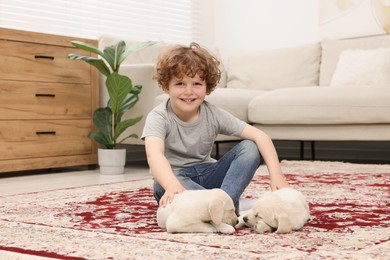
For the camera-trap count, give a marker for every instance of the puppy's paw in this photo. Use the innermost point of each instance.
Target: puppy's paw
(225, 229)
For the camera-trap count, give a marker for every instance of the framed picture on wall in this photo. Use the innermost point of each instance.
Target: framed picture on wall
(353, 18)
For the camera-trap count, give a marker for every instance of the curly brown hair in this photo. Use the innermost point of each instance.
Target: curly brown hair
(180, 61)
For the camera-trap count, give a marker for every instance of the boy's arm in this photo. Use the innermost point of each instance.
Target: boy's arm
(161, 169)
(268, 152)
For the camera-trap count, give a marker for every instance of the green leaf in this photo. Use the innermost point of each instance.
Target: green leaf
(86, 47)
(131, 99)
(102, 118)
(128, 137)
(100, 138)
(112, 53)
(122, 126)
(136, 89)
(97, 63)
(134, 48)
(128, 103)
(118, 87)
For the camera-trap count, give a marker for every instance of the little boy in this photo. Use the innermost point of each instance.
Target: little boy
(179, 133)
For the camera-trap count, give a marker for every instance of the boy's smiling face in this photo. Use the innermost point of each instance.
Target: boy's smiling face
(186, 95)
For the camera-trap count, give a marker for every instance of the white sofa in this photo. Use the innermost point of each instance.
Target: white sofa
(333, 90)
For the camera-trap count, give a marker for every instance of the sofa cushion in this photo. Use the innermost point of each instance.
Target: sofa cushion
(332, 48)
(235, 101)
(322, 105)
(363, 67)
(273, 69)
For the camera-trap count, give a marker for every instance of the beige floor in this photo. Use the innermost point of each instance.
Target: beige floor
(17, 183)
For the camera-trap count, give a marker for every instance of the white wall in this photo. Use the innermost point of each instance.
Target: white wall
(263, 24)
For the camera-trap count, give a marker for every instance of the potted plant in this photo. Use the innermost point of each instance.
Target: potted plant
(123, 96)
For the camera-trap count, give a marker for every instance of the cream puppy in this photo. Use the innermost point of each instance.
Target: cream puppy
(282, 210)
(199, 211)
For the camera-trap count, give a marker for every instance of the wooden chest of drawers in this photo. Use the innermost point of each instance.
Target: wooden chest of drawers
(46, 102)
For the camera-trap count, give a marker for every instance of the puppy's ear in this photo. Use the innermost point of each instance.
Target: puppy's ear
(262, 227)
(267, 214)
(284, 223)
(216, 210)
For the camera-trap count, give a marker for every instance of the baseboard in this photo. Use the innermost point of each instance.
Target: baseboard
(348, 151)
(134, 153)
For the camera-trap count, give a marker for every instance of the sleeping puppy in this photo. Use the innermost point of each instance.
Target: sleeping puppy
(200, 211)
(282, 211)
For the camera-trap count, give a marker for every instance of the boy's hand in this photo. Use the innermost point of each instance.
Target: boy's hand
(170, 194)
(278, 182)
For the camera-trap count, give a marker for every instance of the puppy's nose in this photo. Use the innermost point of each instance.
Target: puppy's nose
(245, 219)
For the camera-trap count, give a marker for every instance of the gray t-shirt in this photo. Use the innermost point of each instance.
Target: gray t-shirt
(187, 144)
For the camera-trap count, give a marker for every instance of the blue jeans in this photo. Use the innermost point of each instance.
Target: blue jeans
(231, 173)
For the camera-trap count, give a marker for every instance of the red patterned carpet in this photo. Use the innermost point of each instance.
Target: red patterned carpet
(349, 205)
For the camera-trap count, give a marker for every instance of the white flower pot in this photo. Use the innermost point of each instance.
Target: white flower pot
(112, 161)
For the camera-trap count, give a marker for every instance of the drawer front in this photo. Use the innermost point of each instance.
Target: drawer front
(38, 62)
(41, 138)
(25, 100)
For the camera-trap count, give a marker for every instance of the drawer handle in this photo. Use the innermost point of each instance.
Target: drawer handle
(44, 95)
(44, 57)
(46, 132)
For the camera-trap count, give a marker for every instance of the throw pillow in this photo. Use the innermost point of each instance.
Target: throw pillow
(362, 67)
(277, 68)
(332, 48)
